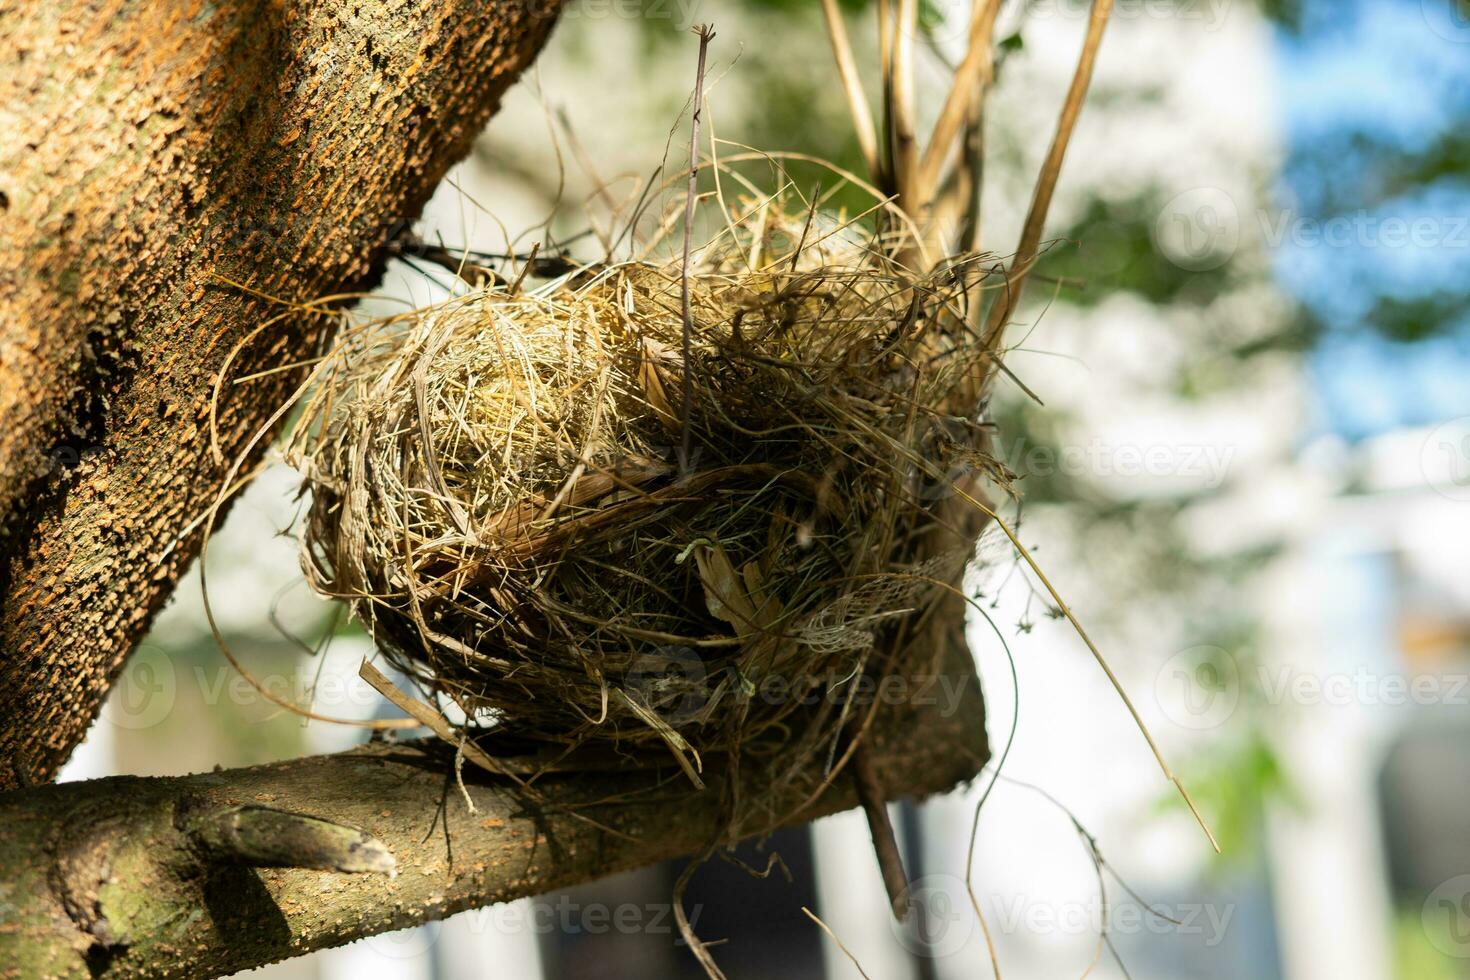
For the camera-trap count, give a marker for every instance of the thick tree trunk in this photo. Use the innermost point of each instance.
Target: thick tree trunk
(153, 153)
(164, 877)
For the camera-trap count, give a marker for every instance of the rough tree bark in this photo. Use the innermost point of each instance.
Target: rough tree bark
(131, 877)
(150, 152)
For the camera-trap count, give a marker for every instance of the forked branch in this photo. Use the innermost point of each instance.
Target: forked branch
(208, 874)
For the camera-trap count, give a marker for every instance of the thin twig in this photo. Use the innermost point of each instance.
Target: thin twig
(857, 100)
(972, 159)
(840, 944)
(971, 77)
(885, 76)
(706, 34)
(1102, 662)
(431, 719)
(806, 227)
(697, 946)
(1000, 765)
(885, 845)
(1046, 183)
(584, 161)
(905, 143)
(515, 287)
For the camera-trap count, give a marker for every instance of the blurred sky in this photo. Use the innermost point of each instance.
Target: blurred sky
(1370, 67)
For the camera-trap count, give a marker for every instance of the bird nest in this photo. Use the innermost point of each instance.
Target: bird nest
(587, 512)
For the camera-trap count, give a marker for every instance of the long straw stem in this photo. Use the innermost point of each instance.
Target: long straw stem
(857, 101)
(905, 148)
(1046, 183)
(1102, 662)
(706, 34)
(970, 79)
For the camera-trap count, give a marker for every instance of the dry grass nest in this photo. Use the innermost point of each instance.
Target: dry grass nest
(500, 488)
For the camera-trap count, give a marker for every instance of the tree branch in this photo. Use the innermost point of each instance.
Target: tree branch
(128, 877)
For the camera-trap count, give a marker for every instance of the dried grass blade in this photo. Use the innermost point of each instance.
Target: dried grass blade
(857, 100)
(1046, 183)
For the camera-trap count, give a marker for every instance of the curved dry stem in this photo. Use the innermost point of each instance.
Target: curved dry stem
(1046, 183)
